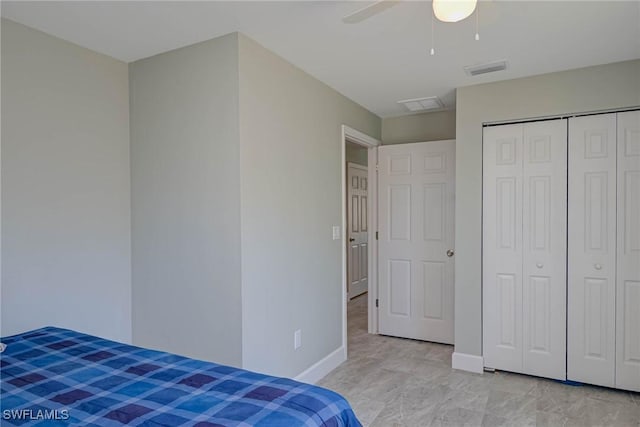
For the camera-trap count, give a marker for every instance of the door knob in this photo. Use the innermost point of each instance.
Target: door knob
(539, 265)
(352, 239)
(597, 266)
(450, 253)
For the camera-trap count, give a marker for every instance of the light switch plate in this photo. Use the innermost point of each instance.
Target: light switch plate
(297, 339)
(336, 232)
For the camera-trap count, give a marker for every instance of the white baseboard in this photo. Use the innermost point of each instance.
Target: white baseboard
(467, 362)
(320, 369)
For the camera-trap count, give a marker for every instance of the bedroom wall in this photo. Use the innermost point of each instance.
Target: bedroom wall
(186, 201)
(65, 187)
(582, 90)
(291, 162)
(433, 126)
(1, 330)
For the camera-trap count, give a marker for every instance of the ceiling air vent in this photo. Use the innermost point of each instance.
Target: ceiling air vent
(489, 67)
(422, 104)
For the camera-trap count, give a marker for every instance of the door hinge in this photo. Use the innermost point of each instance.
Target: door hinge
(376, 166)
(376, 302)
(376, 235)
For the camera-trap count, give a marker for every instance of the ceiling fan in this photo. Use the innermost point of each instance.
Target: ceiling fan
(444, 10)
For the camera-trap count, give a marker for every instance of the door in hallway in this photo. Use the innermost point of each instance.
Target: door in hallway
(416, 205)
(357, 230)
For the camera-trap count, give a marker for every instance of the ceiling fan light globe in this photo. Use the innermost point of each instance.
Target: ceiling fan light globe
(453, 10)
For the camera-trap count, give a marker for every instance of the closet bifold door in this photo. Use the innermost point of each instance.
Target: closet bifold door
(502, 247)
(592, 250)
(524, 248)
(544, 245)
(627, 371)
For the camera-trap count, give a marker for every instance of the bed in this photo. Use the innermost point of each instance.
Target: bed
(54, 376)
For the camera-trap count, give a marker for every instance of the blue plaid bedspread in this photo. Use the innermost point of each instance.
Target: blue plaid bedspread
(54, 376)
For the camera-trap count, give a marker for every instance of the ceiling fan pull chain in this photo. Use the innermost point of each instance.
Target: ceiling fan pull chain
(433, 51)
(477, 20)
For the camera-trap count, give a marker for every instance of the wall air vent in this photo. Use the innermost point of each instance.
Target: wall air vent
(489, 67)
(422, 104)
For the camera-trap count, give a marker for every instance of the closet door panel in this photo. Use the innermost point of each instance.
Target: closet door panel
(502, 247)
(592, 249)
(628, 251)
(544, 283)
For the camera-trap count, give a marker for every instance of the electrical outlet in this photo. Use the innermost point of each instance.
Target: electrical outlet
(297, 339)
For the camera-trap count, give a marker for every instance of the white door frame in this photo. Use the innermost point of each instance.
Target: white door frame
(371, 144)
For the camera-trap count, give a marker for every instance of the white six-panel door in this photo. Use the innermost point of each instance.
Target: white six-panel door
(592, 249)
(628, 259)
(524, 248)
(357, 230)
(416, 230)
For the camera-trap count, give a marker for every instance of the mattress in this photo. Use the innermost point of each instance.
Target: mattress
(53, 376)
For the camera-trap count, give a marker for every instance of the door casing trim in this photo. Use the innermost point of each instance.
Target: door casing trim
(360, 138)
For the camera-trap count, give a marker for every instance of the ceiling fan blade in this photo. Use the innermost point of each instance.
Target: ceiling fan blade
(369, 11)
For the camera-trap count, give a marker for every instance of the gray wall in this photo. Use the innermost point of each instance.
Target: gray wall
(355, 153)
(419, 127)
(291, 162)
(65, 187)
(582, 90)
(186, 201)
(235, 187)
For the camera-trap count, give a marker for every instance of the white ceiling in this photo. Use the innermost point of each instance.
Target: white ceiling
(377, 62)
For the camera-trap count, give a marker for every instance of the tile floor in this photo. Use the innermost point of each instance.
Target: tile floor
(397, 382)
